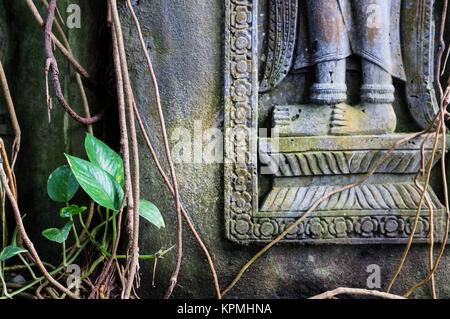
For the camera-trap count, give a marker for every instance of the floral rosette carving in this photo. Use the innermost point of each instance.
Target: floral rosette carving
(340, 227)
(266, 228)
(422, 229)
(241, 90)
(241, 202)
(316, 228)
(241, 180)
(366, 226)
(241, 113)
(241, 227)
(241, 17)
(392, 226)
(240, 67)
(298, 231)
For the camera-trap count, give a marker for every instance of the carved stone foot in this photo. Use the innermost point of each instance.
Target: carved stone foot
(302, 120)
(366, 118)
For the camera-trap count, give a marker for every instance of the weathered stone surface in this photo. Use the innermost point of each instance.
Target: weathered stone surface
(190, 33)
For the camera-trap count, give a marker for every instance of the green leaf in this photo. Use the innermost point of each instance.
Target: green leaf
(66, 229)
(53, 234)
(97, 183)
(62, 184)
(58, 235)
(16, 231)
(11, 251)
(71, 210)
(151, 213)
(103, 156)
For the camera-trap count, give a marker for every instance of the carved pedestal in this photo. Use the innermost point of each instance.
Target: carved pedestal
(381, 210)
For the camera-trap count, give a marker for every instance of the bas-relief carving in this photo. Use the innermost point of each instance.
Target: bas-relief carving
(328, 142)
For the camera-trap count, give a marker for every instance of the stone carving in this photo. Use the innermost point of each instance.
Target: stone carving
(357, 229)
(330, 31)
(328, 142)
(363, 197)
(241, 93)
(343, 162)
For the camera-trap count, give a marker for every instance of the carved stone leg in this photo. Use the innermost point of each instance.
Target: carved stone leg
(377, 84)
(330, 87)
(375, 114)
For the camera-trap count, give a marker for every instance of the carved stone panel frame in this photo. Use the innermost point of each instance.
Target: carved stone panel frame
(387, 219)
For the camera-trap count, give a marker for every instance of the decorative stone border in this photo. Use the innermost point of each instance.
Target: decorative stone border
(241, 112)
(370, 228)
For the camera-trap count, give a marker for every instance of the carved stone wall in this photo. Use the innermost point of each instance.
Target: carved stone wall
(187, 40)
(306, 148)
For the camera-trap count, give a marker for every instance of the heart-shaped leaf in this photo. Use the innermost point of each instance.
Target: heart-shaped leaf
(151, 213)
(58, 235)
(103, 156)
(11, 251)
(16, 231)
(71, 210)
(62, 184)
(97, 183)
